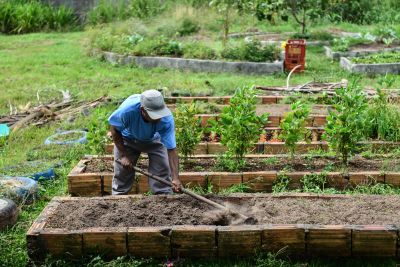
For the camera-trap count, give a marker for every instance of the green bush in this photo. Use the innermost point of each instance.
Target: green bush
(383, 119)
(158, 47)
(17, 17)
(239, 126)
(251, 51)
(188, 27)
(198, 50)
(346, 123)
(293, 125)
(188, 129)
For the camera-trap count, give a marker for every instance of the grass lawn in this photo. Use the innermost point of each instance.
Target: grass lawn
(45, 63)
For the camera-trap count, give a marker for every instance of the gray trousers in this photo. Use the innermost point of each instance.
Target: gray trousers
(124, 178)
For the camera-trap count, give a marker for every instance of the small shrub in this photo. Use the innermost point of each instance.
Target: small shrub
(314, 183)
(346, 124)
(198, 50)
(188, 129)
(239, 126)
(383, 119)
(293, 125)
(281, 184)
(251, 51)
(158, 47)
(97, 131)
(188, 27)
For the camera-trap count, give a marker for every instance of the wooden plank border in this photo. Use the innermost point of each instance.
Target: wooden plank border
(204, 241)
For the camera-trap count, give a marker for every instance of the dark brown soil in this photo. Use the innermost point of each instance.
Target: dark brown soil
(281, 109)
(265, 164)
(183, 210)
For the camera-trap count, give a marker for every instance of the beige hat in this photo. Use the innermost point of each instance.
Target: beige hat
(153, 102)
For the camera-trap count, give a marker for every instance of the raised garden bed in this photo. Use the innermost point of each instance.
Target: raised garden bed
(93, 175)
(360, 50)
(378, 68)
(177, 226)
(196, 64)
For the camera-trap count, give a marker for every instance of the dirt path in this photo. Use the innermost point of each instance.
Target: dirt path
(180, 210)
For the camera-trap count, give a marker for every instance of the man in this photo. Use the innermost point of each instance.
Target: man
(143, 123)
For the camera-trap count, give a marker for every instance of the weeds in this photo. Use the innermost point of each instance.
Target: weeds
(251, 51)
(17, 17)
(281, 183)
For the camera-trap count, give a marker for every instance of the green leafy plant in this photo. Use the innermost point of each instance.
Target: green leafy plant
(107, 11)
(226, 8)
(281, 184)
(188, 129)
(198, 50)
(346, 123)
(386, 57)
(145, 9)
(188, 27)
(238, 125)
(97, 131)
(293, 125)
(17, 17)
(314, 182)
(251, 51)
(382, 119)
(157, 47)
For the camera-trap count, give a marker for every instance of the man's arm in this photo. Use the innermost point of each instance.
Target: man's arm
(119, 143)
(174, 166)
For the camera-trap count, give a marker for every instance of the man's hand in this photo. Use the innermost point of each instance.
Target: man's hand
(176, 185)
(126, 162)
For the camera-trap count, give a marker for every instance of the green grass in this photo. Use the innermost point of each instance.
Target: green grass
(46, 63)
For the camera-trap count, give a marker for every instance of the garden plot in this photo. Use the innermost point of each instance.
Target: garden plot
(93, 176)
(382, 63)
(360, 50)
(197, 65)
(178, 226)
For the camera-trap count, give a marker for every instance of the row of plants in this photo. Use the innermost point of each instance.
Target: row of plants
(385, 35)
(350, 121)
(139, 45)
(384, 58)
(31, 16)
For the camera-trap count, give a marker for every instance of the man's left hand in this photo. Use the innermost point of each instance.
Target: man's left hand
(176, 185)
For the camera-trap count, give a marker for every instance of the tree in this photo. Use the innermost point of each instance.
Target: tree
(226, 7)
(303, 10)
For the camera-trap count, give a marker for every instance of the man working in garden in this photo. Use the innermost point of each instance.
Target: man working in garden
(143, 123)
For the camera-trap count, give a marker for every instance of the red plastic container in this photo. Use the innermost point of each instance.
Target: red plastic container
(295, 54)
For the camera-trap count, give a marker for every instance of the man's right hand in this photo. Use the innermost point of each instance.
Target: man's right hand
(126, 162)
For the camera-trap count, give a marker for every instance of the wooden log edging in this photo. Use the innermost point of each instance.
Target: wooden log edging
(379, 68)
(100, 184)
(209, 241)
(198, 65)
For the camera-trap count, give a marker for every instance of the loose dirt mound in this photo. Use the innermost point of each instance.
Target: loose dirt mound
(180, 210)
